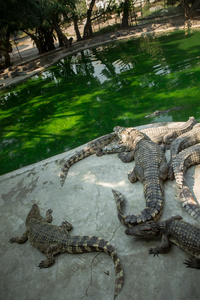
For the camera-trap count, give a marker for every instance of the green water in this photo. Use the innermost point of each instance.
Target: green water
(84, 96)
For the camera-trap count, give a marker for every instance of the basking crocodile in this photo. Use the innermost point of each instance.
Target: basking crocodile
(93, 147)
(52, 239)
(159, 135)
(162, 135)
(150, 167)
(165, 135)
(186, 158)
(185, 140)
(174, 230)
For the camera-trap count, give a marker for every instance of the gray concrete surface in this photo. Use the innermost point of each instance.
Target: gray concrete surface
(87, 202)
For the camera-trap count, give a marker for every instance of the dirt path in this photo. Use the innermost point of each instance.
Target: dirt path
(28, 62)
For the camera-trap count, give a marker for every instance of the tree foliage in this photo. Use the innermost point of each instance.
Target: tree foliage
(190, 7)
(42, 20)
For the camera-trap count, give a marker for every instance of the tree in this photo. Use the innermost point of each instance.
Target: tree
(190, 6)
(37, 18)
(5, 45)
(88, 26)
(126, 9)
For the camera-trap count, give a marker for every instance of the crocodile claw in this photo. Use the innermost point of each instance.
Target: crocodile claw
(12, 240)
(43, 264)
(153, 251)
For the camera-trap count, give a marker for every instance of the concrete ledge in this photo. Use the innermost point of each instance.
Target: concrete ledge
(87, 202)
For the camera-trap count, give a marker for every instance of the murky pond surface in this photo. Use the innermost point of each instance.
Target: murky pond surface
(84, 96)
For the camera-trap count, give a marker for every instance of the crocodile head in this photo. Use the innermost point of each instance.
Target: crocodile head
(150, 228)
(129, 136)
(34, 213)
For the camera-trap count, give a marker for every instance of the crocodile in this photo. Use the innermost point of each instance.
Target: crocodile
(51, 240)
(165, 135)
(150, 167)
(161, 135)
(185, 140)
(186, 158)
(93, 147)
(175, 230)
(161, 112)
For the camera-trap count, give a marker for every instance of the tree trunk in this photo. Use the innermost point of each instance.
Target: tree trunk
(88, 26)
(48, 39)
(78, 35)
(125, 14)
(6, 55)
(38, 42)
(5, 46)
(190, 10)
(63, 41)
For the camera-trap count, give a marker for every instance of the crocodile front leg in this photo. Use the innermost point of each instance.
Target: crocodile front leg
(163, 248)
(20, 240)
(126, 157)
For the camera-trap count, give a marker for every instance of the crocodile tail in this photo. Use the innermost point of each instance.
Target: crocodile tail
(72, 160)
(186, 158)
(119, 274)
(119, 198)
(83, 244)
(147, 214)
(170, 137)
(189, 203)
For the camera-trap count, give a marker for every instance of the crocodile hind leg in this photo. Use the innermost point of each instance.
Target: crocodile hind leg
(51, 251)
(192, 263)
(135, 174)
(163, 170)
(189, 203)
(49, 217)
(65, 227)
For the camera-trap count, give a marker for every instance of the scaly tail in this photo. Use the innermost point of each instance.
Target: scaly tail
(81, 244)
(95, 146)
(119, 198)
(148, 213)
(189, 203)
(154, 195)
(85, 152)
(186, 158)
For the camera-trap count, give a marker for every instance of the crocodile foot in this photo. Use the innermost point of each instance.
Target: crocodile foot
(154, 251)
(192, 263)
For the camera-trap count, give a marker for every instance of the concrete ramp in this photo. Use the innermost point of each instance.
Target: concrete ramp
(86, 201)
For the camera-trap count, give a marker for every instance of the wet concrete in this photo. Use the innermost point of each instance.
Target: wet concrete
(87, 202)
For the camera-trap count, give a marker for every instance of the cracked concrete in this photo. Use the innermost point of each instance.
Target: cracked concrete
(87, 202)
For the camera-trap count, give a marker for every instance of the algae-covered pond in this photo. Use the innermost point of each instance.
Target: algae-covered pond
(85, 95)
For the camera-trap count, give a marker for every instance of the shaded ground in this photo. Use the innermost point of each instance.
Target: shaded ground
(33, 63)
